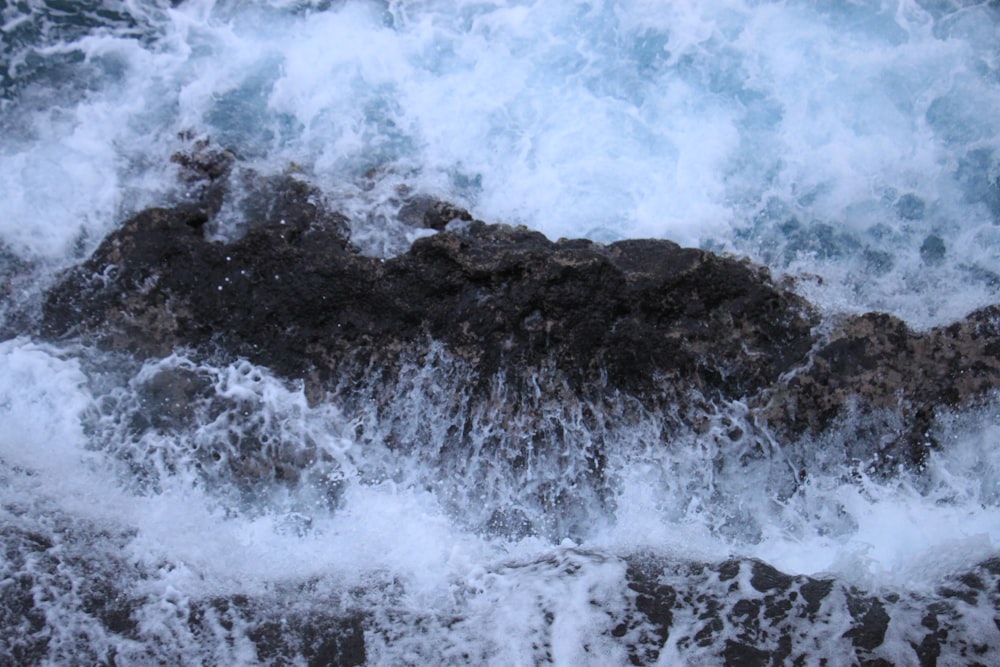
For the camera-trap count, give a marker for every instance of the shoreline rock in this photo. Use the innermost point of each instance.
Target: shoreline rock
(650, 607)
(290, 294)
(672, 327)
(532, 347)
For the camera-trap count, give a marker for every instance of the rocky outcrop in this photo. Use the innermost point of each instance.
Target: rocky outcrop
(71, 596)
(745, 612)
(291, 295)
(539, 356)
(875, 368)
(646, 607)
(669, 326)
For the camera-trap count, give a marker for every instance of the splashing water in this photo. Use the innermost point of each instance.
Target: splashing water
(853, 147)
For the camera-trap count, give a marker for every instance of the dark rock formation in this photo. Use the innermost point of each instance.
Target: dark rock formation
(667, 325)
(557, 345)
(875, 367)
(290, 294)
(745, 612)
(431, 213)
(76, 570)
(666, 611)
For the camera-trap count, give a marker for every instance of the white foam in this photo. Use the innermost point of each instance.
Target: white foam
(623, 120)
(908, 531)
(715, 122)
(42, 398)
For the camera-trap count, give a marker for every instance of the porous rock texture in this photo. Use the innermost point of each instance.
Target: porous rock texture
(745, 612)
(872, 364)
(672, 330)
(290, 294)
(668, 326)
(657, 610)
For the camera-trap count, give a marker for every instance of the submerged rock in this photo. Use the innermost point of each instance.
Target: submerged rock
(72, 596)
(910, 207)
(745, 612)
(532, 354)
(932, 250)
(73, 593)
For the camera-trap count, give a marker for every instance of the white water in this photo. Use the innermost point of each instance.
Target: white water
(826, 140)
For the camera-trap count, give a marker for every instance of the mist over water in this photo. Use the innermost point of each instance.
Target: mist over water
(852, 147)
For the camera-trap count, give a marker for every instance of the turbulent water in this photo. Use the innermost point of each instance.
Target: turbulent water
(853, 147)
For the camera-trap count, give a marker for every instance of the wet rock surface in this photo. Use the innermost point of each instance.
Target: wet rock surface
(72, 594)
(873, 367)
(745, 612)
(549, 344)
(670, 326)
(291, 295)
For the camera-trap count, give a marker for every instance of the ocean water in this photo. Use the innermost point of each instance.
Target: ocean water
(851, 147)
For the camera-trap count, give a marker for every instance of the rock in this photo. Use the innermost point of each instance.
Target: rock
(81, 573)
(722, 614)
(75, 594)
(16, 282)
(167, 399)
(431, 213)
(291, 295)
(677, 329)
(203, 175)
(550, 346)
(910, 207)
(284, 634)
(150, 285)
(873, 366)
(218, 424)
